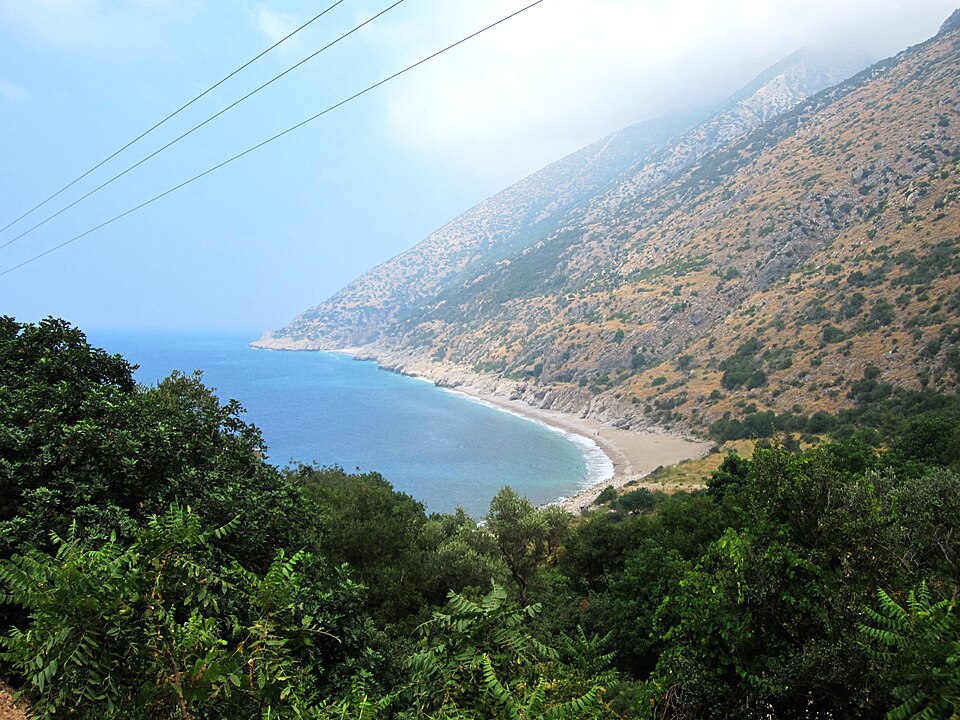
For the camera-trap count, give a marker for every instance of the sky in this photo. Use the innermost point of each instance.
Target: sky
(250, 245)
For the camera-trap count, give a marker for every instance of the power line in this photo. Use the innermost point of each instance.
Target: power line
(197, 127)
(272, 139)
(168, 117)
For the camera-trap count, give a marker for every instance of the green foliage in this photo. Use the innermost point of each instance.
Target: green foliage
(918, 646)
(883, 413)
(753, 425)
(527, 538)
(926, 508)
(941, 260)
(606, 495)
(640, 500)
(629, 606)
(743, 600)
(80, 441)
(676, 268)
(737, 371)
(930, 439)
(729, 476)
(881, 314)
(168, 627)
(407, 561)
(851, 306)
(638, 361)
(477, 660)
(597, 547)
(832, 334)
(464, 556)
(374, 529)
(767, 618)
(743, 368)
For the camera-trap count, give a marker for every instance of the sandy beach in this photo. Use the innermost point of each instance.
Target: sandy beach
(634, 453)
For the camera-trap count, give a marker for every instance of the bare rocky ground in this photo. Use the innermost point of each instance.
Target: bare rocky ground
(10, 710)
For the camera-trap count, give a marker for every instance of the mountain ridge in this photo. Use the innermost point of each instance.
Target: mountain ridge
(650, 301)
(532, 207)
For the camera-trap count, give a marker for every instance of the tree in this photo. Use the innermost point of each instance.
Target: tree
(759, 629)
(765, 621)
(933, 439)
(527, 537)
(463, 555)
(80, 440)
(640, 500)
(379, 532)
(926, 509)
(629, 607)
(730, 475)
(475, 659)
(918, 646)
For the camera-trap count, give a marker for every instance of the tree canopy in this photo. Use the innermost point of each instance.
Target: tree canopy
(152, 564)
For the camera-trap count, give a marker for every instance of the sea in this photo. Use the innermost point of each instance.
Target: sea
(439, 446)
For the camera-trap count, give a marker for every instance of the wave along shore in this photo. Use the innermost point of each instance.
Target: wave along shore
(600, 467)
(630, 455)
(614, 456)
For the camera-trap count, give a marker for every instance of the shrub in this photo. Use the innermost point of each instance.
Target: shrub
(832, 334)
(639, 500)
(606, 495)
(167, 627)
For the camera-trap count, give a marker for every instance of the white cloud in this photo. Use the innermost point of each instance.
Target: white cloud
(568, 71)
(272, 24)
(11, 93)
(103, 27)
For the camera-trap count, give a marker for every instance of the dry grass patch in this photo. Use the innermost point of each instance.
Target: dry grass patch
(691, 474)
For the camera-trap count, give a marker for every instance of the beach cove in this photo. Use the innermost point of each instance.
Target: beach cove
(328, 409)
(632, 454)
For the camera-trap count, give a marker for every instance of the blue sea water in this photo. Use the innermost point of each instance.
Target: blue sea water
(440, 447)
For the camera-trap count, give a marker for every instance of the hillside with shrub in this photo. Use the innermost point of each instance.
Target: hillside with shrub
(770, 263)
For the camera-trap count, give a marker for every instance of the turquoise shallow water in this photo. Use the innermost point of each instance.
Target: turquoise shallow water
(440, 447)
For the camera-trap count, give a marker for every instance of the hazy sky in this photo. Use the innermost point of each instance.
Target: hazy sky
(283, 228)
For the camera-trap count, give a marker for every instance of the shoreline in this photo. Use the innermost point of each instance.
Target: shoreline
(634, 454)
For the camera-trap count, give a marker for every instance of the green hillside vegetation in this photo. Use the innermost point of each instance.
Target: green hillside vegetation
(154, 566)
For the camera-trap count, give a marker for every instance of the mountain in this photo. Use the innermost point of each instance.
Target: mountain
(799, 240)
(365, 309)
(639, 157)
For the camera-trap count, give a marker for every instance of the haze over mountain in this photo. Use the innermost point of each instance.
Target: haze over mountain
(766, 254)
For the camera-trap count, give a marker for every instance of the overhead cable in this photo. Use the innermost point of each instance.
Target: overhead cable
(168, 117)
(269, 140)
(198, 126)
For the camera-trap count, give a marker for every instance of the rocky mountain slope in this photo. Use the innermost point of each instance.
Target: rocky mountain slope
(781, 254)
(627, 162)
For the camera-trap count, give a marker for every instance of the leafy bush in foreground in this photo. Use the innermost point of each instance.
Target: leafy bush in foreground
(167, 627)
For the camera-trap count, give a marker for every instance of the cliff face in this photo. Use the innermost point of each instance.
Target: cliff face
(764, 257)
